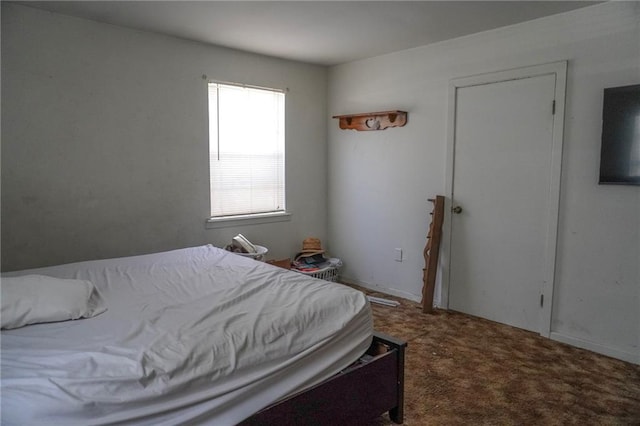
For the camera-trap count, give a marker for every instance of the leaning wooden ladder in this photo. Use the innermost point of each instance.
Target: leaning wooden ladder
(431, 251)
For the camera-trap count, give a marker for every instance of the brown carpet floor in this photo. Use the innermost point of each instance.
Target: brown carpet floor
(463, 370)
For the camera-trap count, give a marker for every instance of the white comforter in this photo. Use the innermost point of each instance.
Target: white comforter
(196, 335)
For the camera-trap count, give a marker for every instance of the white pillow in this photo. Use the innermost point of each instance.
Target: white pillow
(32, 299)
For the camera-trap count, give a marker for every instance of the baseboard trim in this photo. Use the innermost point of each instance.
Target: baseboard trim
(595, 347)
(385, 290)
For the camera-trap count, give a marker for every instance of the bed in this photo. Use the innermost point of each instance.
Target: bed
(197, 336)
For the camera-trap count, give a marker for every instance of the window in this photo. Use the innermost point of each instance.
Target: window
(246, 150)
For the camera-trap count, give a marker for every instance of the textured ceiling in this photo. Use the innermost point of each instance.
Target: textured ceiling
(319, 32)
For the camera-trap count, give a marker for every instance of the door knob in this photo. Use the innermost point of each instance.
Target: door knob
(457, 209)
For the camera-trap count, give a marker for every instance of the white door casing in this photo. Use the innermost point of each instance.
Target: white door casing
(504, 152)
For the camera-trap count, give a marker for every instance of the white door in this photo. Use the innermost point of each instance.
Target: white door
(505, 181)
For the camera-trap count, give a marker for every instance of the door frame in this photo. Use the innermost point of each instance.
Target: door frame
(559, 69)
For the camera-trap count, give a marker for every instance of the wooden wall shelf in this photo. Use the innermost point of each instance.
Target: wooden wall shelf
(372, 120)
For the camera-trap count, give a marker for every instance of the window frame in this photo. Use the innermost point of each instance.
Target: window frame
(247, 218)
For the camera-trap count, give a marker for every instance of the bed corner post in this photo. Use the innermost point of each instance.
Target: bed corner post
(396, 414)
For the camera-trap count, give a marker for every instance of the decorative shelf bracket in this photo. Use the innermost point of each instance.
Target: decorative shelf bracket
(372, 120)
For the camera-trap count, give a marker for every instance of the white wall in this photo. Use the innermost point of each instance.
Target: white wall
(105, 141)
(379, 182)
(104, 153)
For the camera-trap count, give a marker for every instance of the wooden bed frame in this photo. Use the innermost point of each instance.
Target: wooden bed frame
(362, 392)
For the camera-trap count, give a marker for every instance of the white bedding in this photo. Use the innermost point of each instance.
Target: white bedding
(197, 335)
(34, 299)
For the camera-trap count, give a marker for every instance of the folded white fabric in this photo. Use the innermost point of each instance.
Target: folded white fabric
(32, 299)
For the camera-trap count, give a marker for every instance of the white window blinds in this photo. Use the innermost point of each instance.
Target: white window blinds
(246, 150)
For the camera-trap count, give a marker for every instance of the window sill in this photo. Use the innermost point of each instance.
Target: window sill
(250, 219)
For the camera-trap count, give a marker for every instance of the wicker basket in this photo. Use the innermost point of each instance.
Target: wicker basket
(328, 274)
(259, 255)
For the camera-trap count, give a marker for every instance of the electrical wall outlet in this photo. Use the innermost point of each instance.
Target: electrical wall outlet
(398, 255)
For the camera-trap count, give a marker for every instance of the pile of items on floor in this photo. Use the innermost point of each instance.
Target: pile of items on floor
(240, 244)
(311, 260)
(312, 257)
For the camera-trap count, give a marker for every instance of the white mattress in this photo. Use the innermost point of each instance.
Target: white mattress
(197, 335)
